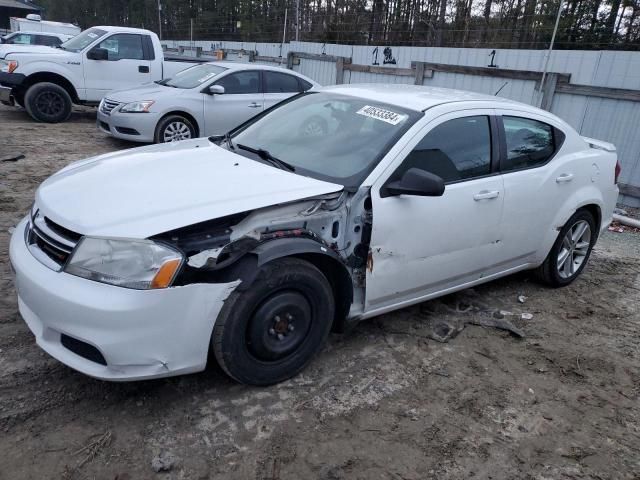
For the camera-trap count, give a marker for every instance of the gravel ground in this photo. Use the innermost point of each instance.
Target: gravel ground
(383, 401)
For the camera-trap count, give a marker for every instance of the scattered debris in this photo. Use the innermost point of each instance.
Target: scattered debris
(526, 316)
(93, 448)
(443, 330)
(11, 230)
(13, 159)
(522, 298)
(620, 211)
(163, 462)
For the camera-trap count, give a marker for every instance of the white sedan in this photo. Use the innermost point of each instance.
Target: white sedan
(207, 99)
(336, 206)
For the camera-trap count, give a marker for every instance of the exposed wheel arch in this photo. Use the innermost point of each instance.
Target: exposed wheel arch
(50, 77)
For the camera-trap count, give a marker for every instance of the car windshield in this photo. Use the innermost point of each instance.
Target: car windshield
(82, 40)
(194, 77)
(332, 137)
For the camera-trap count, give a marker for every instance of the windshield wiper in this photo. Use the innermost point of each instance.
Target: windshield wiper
(265, 155)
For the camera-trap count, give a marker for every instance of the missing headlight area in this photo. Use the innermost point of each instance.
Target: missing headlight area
(331, 231)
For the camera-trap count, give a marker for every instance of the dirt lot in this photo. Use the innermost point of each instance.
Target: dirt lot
(382, 402)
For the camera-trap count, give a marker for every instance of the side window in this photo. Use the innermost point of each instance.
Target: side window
(123, 46)
(304, 85)
(21, 39)
(241, 82)
(530, 143)
(275, 82)
(455, 150)
(47, 40)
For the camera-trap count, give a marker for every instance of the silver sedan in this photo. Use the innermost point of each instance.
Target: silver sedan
(207, 99)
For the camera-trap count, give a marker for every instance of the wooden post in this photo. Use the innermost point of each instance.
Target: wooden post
(339, 70)
(548, 89)
(290, 56)
(419, 73)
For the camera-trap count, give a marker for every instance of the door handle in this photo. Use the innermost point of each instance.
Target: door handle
(143, 69)
(486, 195)
(254, 105)
(564, 178)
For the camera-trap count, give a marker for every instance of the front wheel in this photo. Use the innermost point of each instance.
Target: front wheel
(271, 331)
(174, 128)
(571, 251)
(48, 102)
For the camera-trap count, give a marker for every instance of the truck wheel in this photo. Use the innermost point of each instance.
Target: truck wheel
(570, 252)
(48, 102)
(174, 128)
(271, 331)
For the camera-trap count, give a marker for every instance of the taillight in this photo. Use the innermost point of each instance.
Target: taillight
(617, 171)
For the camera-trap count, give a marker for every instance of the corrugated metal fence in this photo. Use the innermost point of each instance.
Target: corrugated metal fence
(612, 119)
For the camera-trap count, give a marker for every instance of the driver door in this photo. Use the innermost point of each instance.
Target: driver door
(126, 66)
(424, 245)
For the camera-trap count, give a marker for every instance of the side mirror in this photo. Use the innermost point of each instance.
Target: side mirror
(216, 90)
(415, 182)
(98, 54)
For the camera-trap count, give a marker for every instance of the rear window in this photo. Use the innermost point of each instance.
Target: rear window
(530, 143)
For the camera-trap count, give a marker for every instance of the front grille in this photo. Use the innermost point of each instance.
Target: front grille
(108, 106)
(82, 349)
(45, 237)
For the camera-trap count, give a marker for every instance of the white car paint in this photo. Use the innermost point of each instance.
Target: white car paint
(420, 247)
(213, 114)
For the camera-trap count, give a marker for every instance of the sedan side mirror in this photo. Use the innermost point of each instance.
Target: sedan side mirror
(216, 90)
(415, 182)
(98, 54)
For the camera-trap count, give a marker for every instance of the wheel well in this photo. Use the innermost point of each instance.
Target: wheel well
(340, 281)
(52, 78)
(594, 210)
(187, 116)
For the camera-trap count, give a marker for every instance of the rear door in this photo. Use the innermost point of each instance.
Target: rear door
(128, 64)
(241, 100)
(279, 86)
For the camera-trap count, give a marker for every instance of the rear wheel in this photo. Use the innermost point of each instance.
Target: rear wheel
(571, 251)
(174, 128)
(271, 331)
(48, 102)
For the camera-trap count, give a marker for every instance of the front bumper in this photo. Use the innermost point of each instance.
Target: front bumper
(141, 334)
(123, 125)
(8, 82)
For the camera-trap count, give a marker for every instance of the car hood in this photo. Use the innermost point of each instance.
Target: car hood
(6, 49)
(145, 191)
(146, 91)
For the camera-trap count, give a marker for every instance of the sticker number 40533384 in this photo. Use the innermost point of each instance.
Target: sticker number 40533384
(381, 114)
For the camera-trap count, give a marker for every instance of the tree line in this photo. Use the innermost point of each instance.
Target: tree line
(584, 24)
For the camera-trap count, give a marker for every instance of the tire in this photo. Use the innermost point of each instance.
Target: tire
(558, 273)
(174, 128)
(48, 102)
(270, 331)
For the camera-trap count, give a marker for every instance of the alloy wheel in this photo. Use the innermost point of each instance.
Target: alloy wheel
(574, 249)
(176, 131)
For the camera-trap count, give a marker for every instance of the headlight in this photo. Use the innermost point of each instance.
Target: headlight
(139, 264)
(8, 66)
(137, 107)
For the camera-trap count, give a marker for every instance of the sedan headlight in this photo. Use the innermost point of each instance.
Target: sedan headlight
(137, 107)
(138, 264)
(8, 66)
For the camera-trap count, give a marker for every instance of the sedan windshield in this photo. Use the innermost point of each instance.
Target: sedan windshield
(82, 40)
(194, 77)
(332, 137)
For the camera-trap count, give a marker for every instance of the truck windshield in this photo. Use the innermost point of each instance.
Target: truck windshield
(324, 135)
(194, 77)
(80, 41)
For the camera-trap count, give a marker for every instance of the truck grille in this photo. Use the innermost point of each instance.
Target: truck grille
(108, 106)
(49, 242)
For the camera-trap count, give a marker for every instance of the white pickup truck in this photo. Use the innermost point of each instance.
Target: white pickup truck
(46, 81)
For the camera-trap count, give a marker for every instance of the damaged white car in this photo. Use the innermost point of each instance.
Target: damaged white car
(333, 207)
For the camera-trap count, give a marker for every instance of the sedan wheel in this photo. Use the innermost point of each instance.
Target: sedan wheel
(574, 250)
(176, 131)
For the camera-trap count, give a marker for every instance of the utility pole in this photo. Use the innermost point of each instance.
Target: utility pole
(191, 33)
(548, 55)
(284, 33)
(159, 20)
(297, 19)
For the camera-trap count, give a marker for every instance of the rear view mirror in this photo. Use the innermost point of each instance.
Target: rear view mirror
(98, 54)
(415, 182)
(216, 89)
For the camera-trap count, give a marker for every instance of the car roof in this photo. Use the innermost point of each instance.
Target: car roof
(49, 34)
(413, 97)
(110, 29)
(257, 66)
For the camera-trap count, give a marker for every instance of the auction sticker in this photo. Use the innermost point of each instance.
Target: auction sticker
(381, 114)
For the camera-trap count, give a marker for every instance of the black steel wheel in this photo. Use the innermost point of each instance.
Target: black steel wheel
(48, 102)
(272, 329)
